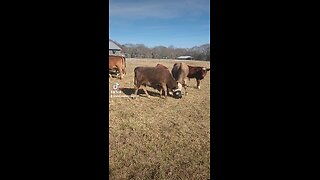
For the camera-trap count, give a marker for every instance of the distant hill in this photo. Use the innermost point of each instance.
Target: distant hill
(141, 51)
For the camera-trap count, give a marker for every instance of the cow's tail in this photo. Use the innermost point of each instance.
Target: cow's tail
(124, 64)
(135, 81)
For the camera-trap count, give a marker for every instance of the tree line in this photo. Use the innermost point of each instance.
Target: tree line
(161, 52)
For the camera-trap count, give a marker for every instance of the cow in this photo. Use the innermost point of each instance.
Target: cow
(157, 77)
(161, 66)
(180, 72)
(197, 72)
(117, 63)
(159, 87)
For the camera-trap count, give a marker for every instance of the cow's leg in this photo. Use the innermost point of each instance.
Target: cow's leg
(160, 92)
(135, 92)
(120, 70)
(169, 91)
(198, 83)
(164, 87)
(161, 89)
(185, 86)
(185, 90)
(136, 87)
(121, 74)
(145, 90)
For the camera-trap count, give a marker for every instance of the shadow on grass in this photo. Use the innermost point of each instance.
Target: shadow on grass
(130, 91)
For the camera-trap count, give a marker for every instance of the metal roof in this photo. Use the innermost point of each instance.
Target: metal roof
(112, 45)
(184, 57)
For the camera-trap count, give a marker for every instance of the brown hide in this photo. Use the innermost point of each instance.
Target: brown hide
(180, 72)
(157, 77)
(117, 63)
(198, 73)
(161, 66)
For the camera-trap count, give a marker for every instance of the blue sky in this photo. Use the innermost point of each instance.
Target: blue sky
(181, 23)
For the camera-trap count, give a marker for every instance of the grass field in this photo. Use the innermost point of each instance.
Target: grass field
(154, 138)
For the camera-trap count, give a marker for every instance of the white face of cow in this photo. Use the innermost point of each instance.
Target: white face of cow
(204, 71)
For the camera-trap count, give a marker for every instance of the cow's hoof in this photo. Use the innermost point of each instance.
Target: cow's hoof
(186, 93)
(198, 87)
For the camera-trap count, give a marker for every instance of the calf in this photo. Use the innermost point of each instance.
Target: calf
(197, 72)
(156, 77)
(180, 72)
(117, 63)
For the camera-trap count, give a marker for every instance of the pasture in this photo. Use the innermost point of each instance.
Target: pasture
(154, 138)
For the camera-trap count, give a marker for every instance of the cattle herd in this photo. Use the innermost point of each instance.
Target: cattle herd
(159, 77)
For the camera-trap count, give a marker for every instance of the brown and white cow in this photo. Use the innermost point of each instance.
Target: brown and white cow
(180, 72)
(117, 63)
(157, 77)
(198, 73)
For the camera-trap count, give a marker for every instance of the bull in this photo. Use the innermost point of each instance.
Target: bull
(157, 77)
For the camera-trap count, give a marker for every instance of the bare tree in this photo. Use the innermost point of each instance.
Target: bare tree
(159, 52)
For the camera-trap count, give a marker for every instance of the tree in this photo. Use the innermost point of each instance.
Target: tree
(158, 52)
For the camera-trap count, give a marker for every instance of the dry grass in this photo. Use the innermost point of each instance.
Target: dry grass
(159, 138)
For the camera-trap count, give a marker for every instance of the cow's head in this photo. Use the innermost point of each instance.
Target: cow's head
(177, 93)
(204, 71)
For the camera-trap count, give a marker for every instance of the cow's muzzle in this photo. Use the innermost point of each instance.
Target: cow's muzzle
(177, 93)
